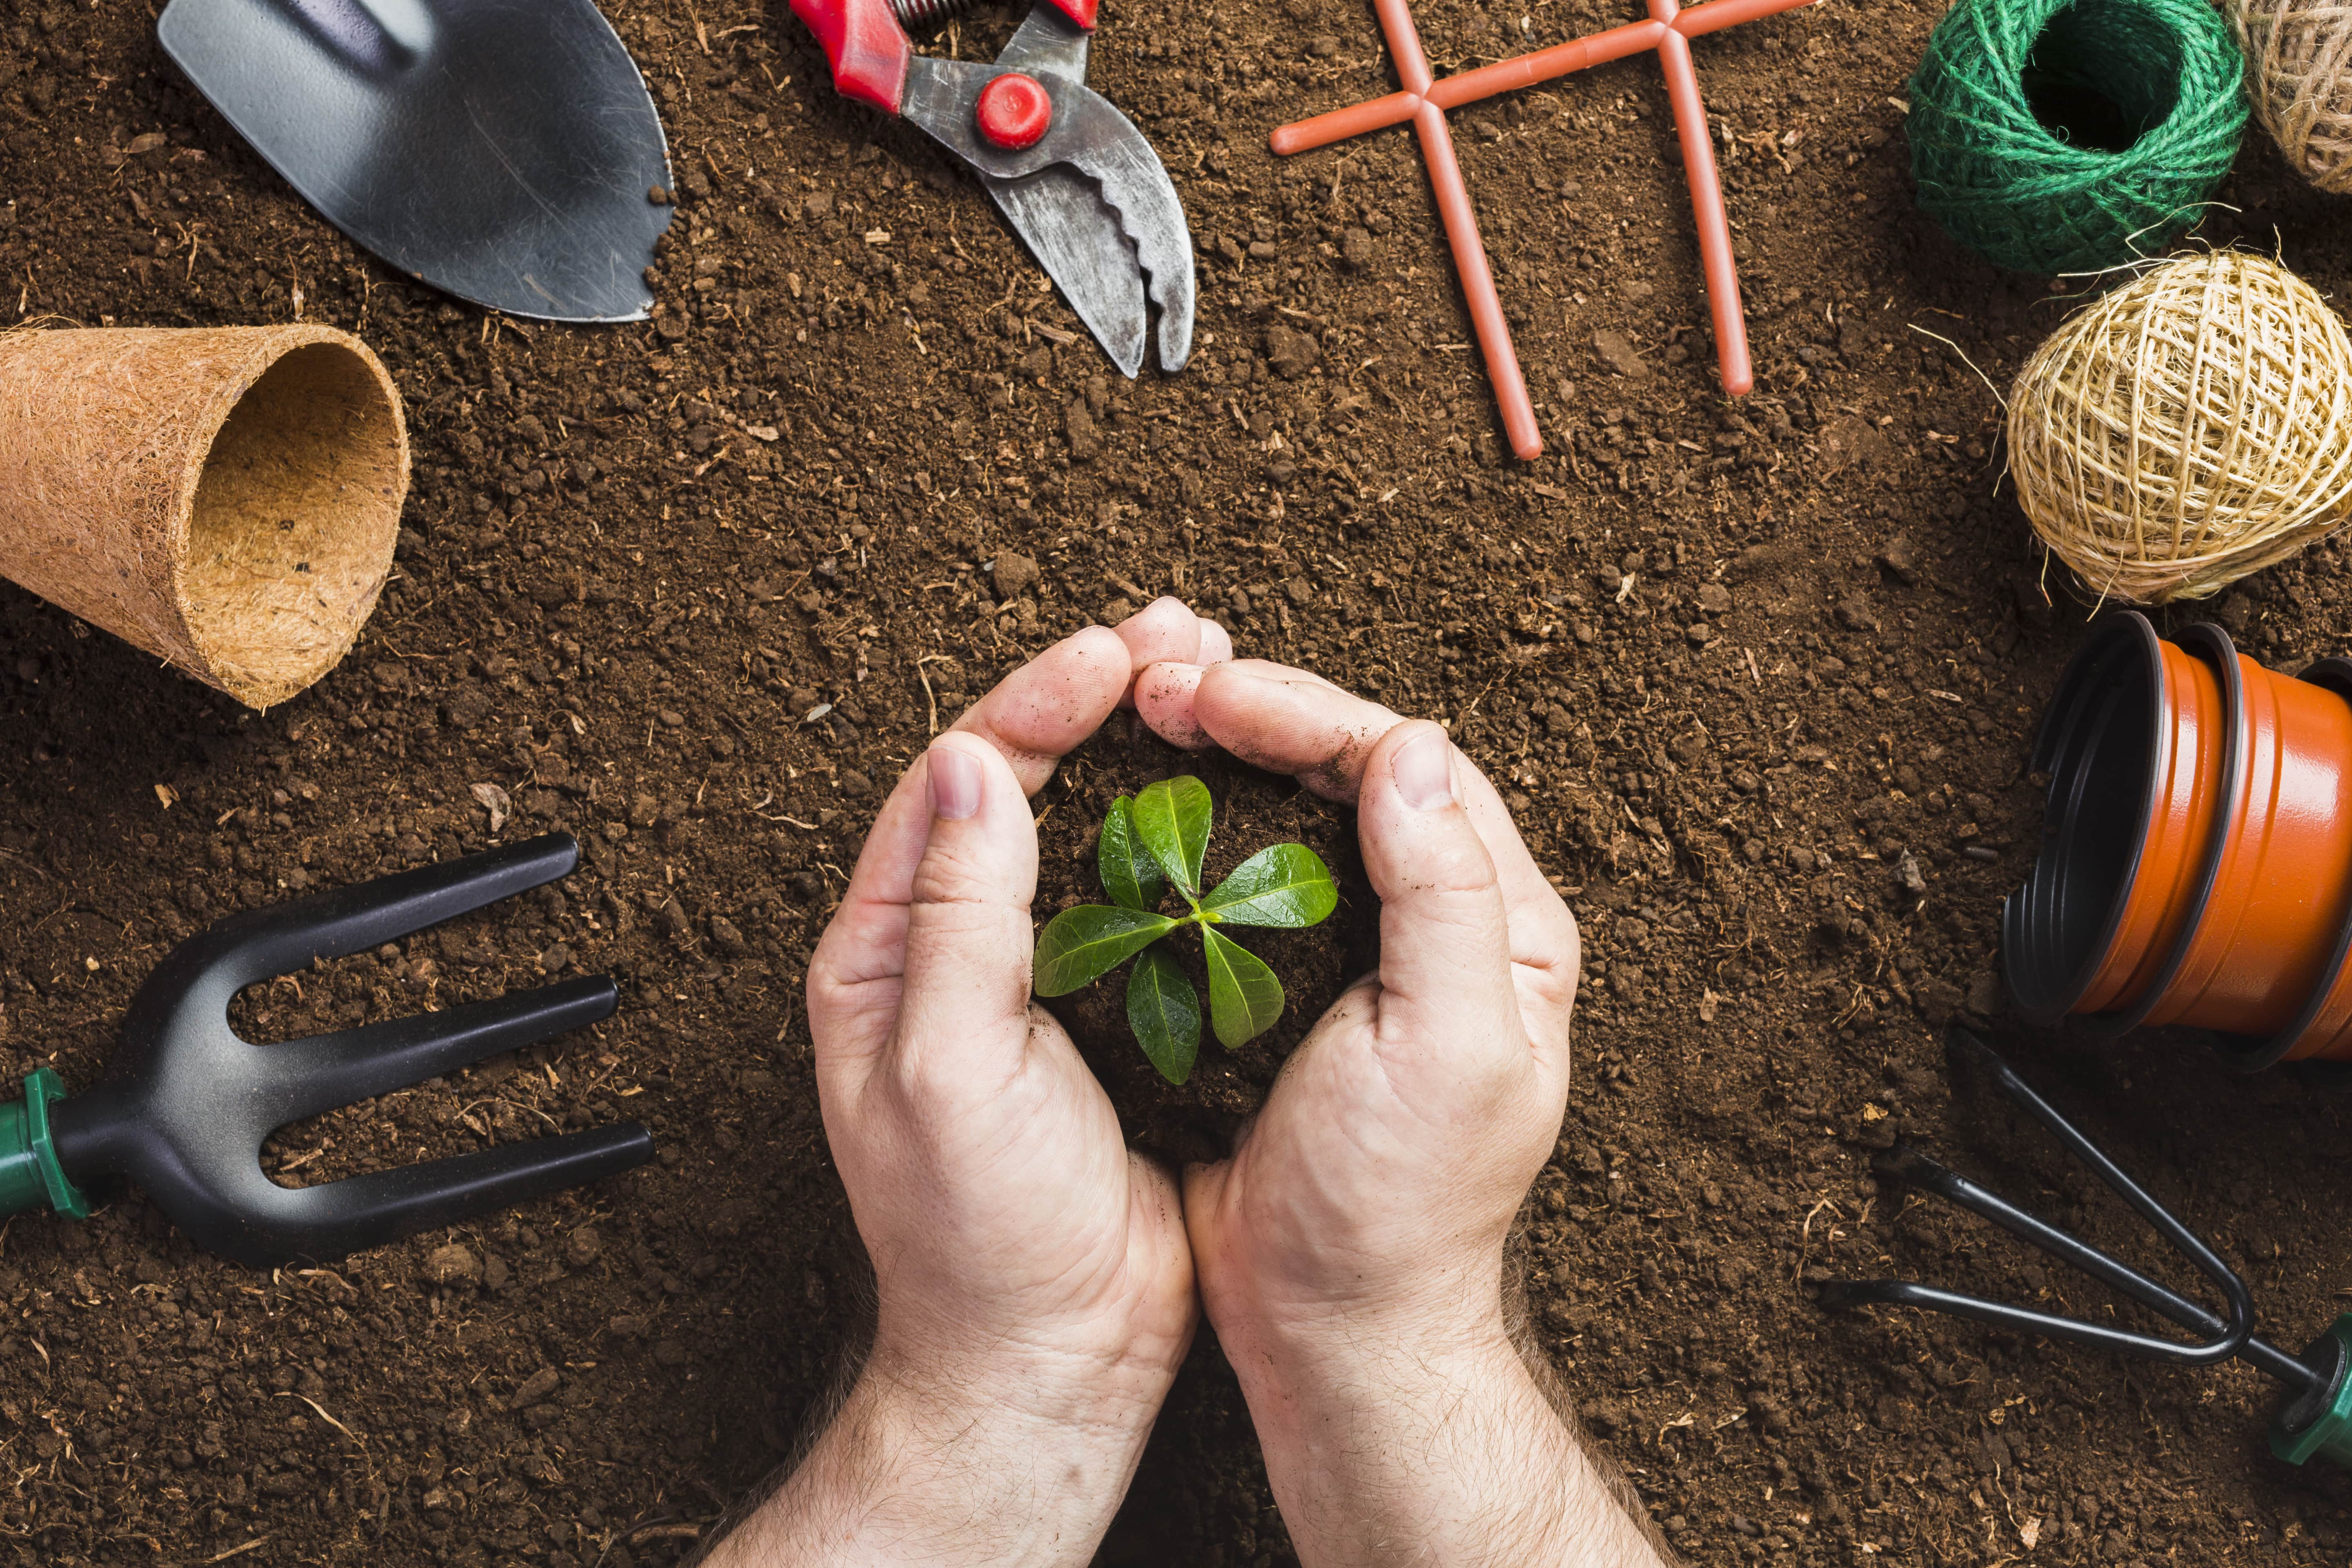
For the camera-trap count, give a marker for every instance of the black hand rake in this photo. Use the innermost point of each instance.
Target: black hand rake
(185, 1102)
(2315, 1418)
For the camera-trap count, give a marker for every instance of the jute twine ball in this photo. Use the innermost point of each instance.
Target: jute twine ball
(2057, 137)
(2187, 429)
(2297, 55)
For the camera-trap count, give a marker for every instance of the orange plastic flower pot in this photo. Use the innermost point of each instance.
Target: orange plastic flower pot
(2196, 859)
(2270, 925)
(2323, 1030)
(2133, 743)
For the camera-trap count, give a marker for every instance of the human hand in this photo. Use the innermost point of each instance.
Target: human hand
(1035, 1291)
(1382, 1175)
(1351, 1251)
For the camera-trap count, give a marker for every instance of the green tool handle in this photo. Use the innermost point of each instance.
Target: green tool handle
(30, 1177)
(2320, 1423)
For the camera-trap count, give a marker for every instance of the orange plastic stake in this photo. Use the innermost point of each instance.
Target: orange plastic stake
(1424, 101)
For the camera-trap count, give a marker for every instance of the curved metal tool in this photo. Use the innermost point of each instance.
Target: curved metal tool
(501, 150)
(185, 1102)
(2314, 1417)
(1086, 193)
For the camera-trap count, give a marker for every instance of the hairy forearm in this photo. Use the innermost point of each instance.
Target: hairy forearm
(911, 1471)
(1435, 1453)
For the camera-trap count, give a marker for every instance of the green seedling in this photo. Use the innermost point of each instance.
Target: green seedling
(1149, 842)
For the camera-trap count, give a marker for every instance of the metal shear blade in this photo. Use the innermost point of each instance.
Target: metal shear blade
(1076, 237)
(1092, 201)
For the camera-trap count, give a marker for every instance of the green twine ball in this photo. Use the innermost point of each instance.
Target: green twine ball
(2071, 138)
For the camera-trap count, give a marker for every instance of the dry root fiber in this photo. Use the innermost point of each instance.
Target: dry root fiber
(226, 499)
(2298, 54)
(2186, 429)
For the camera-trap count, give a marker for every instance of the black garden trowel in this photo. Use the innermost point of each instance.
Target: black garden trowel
(185, 1102)
(501, 150)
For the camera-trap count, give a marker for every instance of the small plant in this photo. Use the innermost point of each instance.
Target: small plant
(1147, 842)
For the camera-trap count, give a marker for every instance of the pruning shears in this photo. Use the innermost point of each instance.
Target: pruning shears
(1074, 176)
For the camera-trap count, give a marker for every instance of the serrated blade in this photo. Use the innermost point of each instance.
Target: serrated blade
(1092, 199)
(1076, 237)
(1135, 184)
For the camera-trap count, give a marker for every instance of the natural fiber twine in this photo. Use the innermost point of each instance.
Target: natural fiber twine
(226, 499)
(2058, 137)
(2187, 429)
(2297, 55)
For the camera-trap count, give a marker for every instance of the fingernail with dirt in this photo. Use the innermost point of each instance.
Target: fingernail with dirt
(1424, 771)
(955, 785)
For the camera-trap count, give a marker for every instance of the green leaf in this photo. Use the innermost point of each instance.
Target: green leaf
(1171, 817)
(1286, 885)
(1129, 874)
(1245, 998)
(1164, 1013)
(1087, 942)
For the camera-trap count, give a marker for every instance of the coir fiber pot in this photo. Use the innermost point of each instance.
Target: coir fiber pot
(2197, 857)
(227, 498)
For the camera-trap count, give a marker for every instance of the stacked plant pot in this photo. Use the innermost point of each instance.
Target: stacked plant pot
(2196, 866)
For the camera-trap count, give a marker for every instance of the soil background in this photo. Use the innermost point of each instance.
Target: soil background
(1758, 676)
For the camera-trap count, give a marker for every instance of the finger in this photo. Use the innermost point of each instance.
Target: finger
(1163, 700)
(854, 978)
(1165, 629)
(1445, 936)
(1039, 712)
(1289, 721)
(1295, 722)
(1547, 955)
(963, 1014)
(1032, 718)
(1163, 693)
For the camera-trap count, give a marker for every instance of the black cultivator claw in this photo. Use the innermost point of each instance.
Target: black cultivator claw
(2317, 1416)
(185, 1102)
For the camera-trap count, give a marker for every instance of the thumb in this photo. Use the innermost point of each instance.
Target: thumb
(965, 1010)
(1445, 947)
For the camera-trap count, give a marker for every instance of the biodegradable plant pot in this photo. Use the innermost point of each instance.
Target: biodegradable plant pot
(2197, 862)
(226, 499)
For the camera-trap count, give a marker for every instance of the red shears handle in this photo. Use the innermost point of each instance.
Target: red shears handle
(869, 50)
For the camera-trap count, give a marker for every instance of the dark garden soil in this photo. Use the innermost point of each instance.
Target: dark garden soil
(1758, 676)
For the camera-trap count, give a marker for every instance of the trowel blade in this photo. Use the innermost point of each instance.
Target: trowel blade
(499, 149)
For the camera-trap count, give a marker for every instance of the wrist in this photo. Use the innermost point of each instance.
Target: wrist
(1307, 1376)
(1041, 1392)
(1437, 1447)
(1018, 1461)
(1307, 1329)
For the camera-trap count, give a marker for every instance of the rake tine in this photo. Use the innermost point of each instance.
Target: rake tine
(324, 1071)
(328, 1221)
(185, 1103)
(283, 938)
(1906, 1165)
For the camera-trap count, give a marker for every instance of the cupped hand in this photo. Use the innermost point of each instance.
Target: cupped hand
(1350, 1252)
(1369, 1201)
(1020, 1251)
